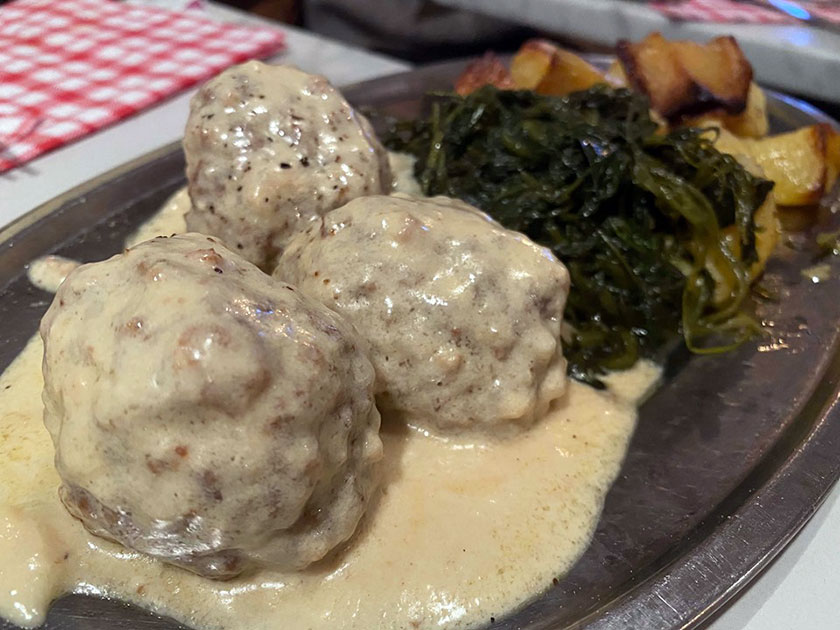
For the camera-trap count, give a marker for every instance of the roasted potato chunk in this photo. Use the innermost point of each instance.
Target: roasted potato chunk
(751, 123)
(685, 78)
(489, 70)
(766, 222)
(719, 70)
(543, 67)
(652, 68)
(798, 163)
(832, 150)
(802, 163)
(532, 63)
(767, 236)
(727, 142)
(615, 75)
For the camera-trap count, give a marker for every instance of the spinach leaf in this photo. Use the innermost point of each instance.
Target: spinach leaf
(635, 214)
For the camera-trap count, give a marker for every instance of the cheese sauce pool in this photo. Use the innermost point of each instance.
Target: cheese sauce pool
(461, 531)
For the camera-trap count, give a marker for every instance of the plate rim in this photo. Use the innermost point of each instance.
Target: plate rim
(41, 211)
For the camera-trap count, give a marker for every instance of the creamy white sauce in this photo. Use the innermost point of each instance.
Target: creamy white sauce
(47, 273)
(461, 532)
(166, 221)
(402, 170)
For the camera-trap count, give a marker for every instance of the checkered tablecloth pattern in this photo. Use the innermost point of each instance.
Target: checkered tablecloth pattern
(727, 11)
(70, 67)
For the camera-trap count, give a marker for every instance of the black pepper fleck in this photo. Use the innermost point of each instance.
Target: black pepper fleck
(285, 165)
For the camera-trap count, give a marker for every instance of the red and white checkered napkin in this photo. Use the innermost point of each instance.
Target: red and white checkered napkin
(70, 67)
(727, 11)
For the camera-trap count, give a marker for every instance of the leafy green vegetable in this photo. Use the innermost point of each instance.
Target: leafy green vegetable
(634, 214)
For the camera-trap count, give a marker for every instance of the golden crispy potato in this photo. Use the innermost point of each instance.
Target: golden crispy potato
(684, 78)
(653, 69)
(832, 153)
(720, 71)
(751, 123)
(487, 70)
(615, 75)
(532, 63)
(767, 235)
(797, 163)
(768, 232)
(766, 218)
(802, 163)
(727, 142)
(543, 67)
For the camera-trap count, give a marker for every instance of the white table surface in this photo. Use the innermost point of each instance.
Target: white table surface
(798, 590)
(795, 58)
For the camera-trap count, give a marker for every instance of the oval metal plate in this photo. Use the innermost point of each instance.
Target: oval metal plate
(731, 457)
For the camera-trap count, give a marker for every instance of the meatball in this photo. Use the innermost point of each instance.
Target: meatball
(463, 316)
(271, 148)
(206, 414)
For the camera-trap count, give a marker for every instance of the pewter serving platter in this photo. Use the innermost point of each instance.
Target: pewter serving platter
(731, 457)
